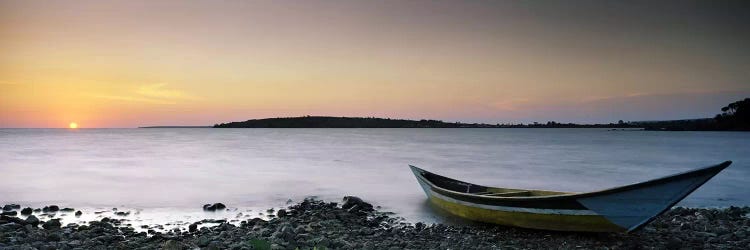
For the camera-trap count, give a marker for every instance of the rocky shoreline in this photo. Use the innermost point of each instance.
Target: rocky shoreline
(355, 224)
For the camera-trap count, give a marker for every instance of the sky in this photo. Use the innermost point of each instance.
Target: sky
(141, 63)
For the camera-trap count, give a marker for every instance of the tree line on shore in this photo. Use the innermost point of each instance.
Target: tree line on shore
(373, 122)
(735, 116)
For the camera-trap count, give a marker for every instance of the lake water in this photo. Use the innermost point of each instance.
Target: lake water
(167, 174)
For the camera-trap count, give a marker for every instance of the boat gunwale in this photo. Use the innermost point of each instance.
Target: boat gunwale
(717, 168)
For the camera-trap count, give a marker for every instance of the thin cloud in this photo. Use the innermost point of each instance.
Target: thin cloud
(159, 91)
(8, 83)
(592, 99)
(509, 104)
(133, 99)
(152, 93)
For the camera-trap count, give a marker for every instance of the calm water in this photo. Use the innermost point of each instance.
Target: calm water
(168, 174)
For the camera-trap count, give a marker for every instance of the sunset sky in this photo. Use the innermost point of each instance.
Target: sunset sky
(139, 63)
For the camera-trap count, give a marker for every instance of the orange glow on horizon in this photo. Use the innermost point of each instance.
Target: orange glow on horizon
(73, 125)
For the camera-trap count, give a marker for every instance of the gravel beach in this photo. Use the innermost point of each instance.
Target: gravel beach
(355, 224)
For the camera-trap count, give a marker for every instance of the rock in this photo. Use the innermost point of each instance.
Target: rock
(219, 206)
(208, 207)
(9, 207)
(171, 245)
(741, 234)
(673, 243)
(726, 237)
(324, 242)
(203, 241)
(287, 230)
(214, 207)
(67, 210)
(52, 224)
(54, 237)
(215, 244)
(122, 213)
(78, 213)
(265, 232)
(193, 227)
(27, 211)
(51, 209)
(419, 226)
(9, 213)
(32, 220)
(705, 234)
(9, 227)
(281, 213)
(720, 230)
(355, 204)
(300, 230)
(12, 219)
(255, 221)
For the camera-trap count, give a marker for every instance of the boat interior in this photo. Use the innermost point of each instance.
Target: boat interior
(479, 190)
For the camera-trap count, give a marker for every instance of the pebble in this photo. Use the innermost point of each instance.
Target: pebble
(214, 207)
(32, 220)
(9, 213)
(26, 211)
(9, 207)
(281, 213)
(51, 208)
(52, 224)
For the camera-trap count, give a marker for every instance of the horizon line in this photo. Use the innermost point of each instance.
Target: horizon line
(211, 126)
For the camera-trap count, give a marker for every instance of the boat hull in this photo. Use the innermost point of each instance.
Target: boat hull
(621, 209)
(545, 221)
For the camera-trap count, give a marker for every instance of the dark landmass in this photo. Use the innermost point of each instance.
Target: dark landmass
(552, 124)
(355, 224)
(734, 117)
(372, 122)
(341, 122)
(703, 124)
(175, 127)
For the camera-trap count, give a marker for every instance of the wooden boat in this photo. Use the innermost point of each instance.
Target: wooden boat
(621, 209)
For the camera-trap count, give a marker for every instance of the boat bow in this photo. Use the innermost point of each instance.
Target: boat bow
(635, 205)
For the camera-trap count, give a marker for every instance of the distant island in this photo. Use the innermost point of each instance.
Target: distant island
(734, 117)
(373, 122)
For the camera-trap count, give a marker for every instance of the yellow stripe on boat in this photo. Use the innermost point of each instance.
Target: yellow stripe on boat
(557, 222)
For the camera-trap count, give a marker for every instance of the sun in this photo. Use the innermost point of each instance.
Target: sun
(73, 125)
